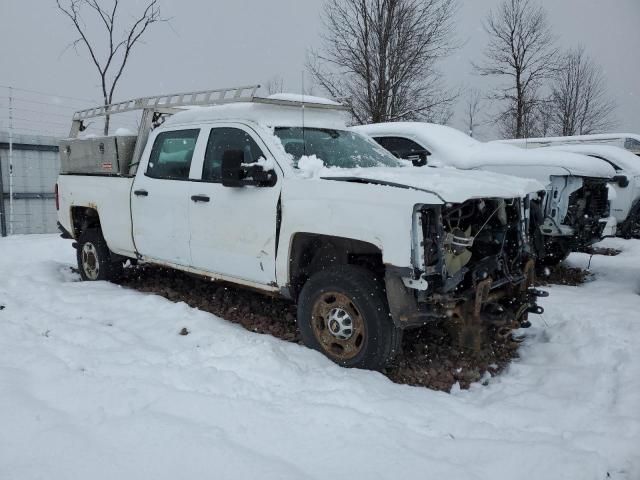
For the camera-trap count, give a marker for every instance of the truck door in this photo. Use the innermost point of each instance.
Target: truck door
(233, 229)
(160, 198)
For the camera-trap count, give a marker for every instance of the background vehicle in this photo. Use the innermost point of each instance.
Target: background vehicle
(625, 197)
(575, 210)
(243, 193)
(628, 141)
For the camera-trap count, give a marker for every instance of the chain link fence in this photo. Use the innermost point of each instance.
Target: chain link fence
(27, 199)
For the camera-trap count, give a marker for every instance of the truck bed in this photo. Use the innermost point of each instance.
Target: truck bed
(110, 196)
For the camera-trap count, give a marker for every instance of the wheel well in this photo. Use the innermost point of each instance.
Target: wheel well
(311, 253)
(83, 218)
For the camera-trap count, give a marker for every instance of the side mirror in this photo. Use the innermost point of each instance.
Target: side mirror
(232, 173)
(621, 180)
(418, 158)
(235, 173)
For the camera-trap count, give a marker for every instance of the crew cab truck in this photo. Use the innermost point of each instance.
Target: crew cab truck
(276, 194)
(574, 213)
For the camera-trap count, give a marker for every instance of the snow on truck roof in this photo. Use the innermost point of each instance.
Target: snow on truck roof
(454, 148)
(284, 110)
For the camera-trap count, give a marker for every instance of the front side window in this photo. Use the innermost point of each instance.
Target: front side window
(171, 154)
(222, 140)
(336, 148)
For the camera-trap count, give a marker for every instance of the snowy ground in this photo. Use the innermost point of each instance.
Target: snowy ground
(95, 382)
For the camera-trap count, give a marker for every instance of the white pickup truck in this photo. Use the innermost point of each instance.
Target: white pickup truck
(575, 211)
(278, 195)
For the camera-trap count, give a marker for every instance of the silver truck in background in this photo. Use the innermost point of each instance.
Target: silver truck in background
(628, 141)
(621, 151)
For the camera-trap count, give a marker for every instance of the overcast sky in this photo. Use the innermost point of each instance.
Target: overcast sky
(215, 43)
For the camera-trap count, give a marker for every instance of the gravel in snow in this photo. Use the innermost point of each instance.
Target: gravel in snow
(97, 382)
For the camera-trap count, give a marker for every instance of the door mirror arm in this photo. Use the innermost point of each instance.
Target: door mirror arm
(418, 158)
(621, 180)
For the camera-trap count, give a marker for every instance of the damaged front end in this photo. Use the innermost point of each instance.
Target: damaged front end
(577, 212)
(473, 266)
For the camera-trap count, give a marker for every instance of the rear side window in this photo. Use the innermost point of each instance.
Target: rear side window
(404, 148)
(400, 147)
(171, 154)
(224, 139)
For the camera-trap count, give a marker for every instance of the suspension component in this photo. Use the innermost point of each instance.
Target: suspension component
(537, 309)
(538, 293)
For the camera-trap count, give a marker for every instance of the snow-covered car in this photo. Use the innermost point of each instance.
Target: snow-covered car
(263, 193)
(625, 196)
(574, 213)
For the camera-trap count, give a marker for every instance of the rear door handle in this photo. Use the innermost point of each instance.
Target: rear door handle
(141, 193)
(200, 198)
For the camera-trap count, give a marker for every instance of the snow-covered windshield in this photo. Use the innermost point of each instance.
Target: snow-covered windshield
(336, 148)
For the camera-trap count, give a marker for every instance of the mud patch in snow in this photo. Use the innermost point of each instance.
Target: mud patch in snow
(428, 358)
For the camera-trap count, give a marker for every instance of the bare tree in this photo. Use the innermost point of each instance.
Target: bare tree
(473, 106)
(275, 85)
(543, 120)
(521, 49)
(379, 58)
(579, 101)
(119, 41)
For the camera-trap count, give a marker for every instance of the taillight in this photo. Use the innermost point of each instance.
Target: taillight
(57, 198)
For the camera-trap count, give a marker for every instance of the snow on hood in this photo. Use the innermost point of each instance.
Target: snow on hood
(624, 159)
(485, 155)
(450, 184)
(451, 147)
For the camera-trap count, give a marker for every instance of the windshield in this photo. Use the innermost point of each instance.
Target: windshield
(336, 148)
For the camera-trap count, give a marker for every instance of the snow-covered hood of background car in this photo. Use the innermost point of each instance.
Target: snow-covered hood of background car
(484, 155)
(450, 184)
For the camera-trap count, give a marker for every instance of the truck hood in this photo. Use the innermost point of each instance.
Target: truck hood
(484, 155)
(449, 184)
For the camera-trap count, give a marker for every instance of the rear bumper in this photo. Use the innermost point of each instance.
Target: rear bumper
(64, 233)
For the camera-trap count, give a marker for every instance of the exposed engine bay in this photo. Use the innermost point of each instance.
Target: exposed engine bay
(478, 268)
(588, 206)
(470, 242)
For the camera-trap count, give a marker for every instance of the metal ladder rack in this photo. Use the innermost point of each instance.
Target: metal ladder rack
(153, 108)
(175, 100)
(156, 107)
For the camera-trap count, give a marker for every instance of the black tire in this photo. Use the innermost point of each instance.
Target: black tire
(348, 300)
(95, 260)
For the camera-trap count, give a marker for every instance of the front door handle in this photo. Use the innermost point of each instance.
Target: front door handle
(141, 193)
(200, 198)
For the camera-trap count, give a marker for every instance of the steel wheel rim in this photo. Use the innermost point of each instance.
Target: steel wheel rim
(332, 314)
(90, 263)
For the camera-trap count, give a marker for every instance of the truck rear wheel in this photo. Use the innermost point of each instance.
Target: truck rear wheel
(95, 260)
(343, 313)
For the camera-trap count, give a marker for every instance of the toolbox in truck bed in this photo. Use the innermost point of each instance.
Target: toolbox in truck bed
(109, 155)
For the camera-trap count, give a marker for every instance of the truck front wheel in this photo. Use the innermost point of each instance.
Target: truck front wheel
(343, 313)
(95, 261)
